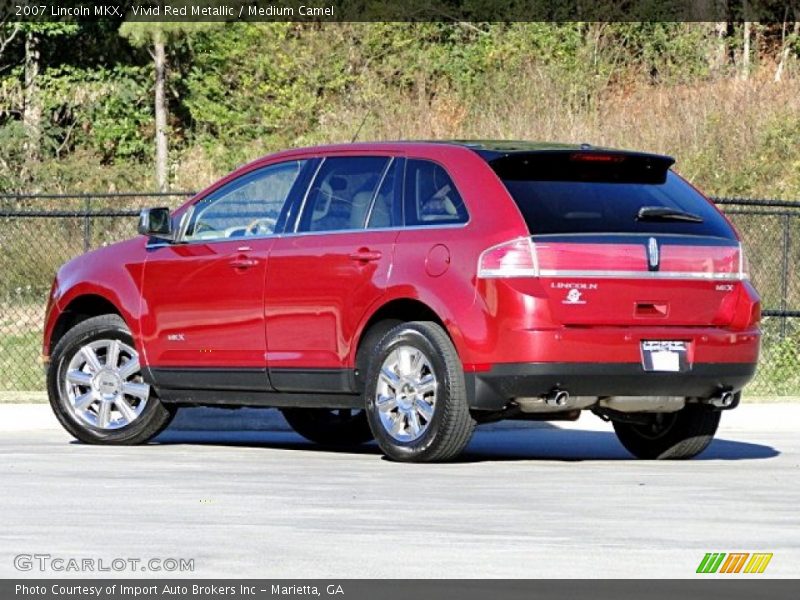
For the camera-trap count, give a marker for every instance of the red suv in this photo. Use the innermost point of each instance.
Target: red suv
(409, 291)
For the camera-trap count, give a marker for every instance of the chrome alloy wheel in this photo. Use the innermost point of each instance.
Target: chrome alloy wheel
(104, 386)
(406, 393)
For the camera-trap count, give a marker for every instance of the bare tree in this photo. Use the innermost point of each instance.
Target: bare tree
(720, 52)
(786, 44)
(747, 34)
(8, 31)
(718, 13)
(161, 111)
(32, 109)
(154, 37)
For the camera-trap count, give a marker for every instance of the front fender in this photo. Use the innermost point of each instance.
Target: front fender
(113, 274)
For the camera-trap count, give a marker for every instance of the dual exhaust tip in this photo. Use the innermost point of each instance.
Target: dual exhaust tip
(560, 398)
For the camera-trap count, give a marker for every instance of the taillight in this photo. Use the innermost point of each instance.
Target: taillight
(522, 257)
(516, 258)
(744, 264)
(755, 315)
(747, 311)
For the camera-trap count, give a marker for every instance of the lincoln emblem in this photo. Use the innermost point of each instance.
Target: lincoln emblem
(652, 254)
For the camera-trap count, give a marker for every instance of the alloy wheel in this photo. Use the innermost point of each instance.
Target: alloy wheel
(406, 393)
(104, 386)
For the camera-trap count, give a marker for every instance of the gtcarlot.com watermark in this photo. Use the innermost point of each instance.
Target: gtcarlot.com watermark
(84, 564)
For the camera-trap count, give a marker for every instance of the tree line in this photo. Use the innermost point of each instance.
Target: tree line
(139, 105)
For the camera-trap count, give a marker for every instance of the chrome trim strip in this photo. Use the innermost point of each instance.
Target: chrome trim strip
(255, 238)
(375, 229)
(606, 274)
(506, 273)
(537, 236)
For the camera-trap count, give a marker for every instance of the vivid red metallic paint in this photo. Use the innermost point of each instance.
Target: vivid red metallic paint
(304, 299)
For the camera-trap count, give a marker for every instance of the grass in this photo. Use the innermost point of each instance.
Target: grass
(20, 369)
(23, 397)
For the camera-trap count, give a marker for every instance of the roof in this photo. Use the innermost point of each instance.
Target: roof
(488, 150)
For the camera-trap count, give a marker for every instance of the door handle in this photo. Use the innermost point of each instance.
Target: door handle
(365, 255)
(243, 262)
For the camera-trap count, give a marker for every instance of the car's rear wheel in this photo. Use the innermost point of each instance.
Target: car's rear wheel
(329, 427)
(677, 435)
(96, 387)
(416, 397)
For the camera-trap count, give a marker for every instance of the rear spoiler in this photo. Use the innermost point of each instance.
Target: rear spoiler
(590, 166)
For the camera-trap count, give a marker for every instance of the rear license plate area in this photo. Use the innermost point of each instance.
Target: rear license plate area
(662, 356)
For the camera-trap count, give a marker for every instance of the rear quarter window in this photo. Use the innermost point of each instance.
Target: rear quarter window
(430, 196)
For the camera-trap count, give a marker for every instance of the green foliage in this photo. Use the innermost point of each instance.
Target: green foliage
(109, 109)
(144, 33)
(19, 361)
(666, 52)
(778, 367)
(268, 82)
(12, 140)
(239, 90)
(49, 29)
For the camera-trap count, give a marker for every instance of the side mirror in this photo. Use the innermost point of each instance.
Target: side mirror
(156, 222)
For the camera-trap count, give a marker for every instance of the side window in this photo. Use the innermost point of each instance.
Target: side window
(342, 193)
(248, 206)
(431, 197)
(384, 211)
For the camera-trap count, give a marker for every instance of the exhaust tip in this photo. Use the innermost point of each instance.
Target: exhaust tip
(557, 398)
(724, 399)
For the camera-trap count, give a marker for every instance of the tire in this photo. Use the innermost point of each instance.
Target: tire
(679, 435)
(101, 403)
(334, 427)
(416, 397)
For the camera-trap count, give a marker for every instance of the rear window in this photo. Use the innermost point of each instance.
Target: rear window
(570, 193)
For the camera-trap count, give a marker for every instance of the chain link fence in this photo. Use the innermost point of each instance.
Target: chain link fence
(770, 231)
(38, 233)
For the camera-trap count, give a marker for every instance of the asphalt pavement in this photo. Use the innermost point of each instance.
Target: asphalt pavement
(538, 501)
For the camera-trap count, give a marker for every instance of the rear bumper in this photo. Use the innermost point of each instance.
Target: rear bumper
(493, 389)
(612, 345)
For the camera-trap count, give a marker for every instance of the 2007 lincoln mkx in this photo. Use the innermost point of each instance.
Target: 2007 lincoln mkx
(408, 291)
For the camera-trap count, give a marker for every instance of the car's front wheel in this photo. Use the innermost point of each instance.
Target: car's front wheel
(96, 387)
(416, 396)
(677, 435)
